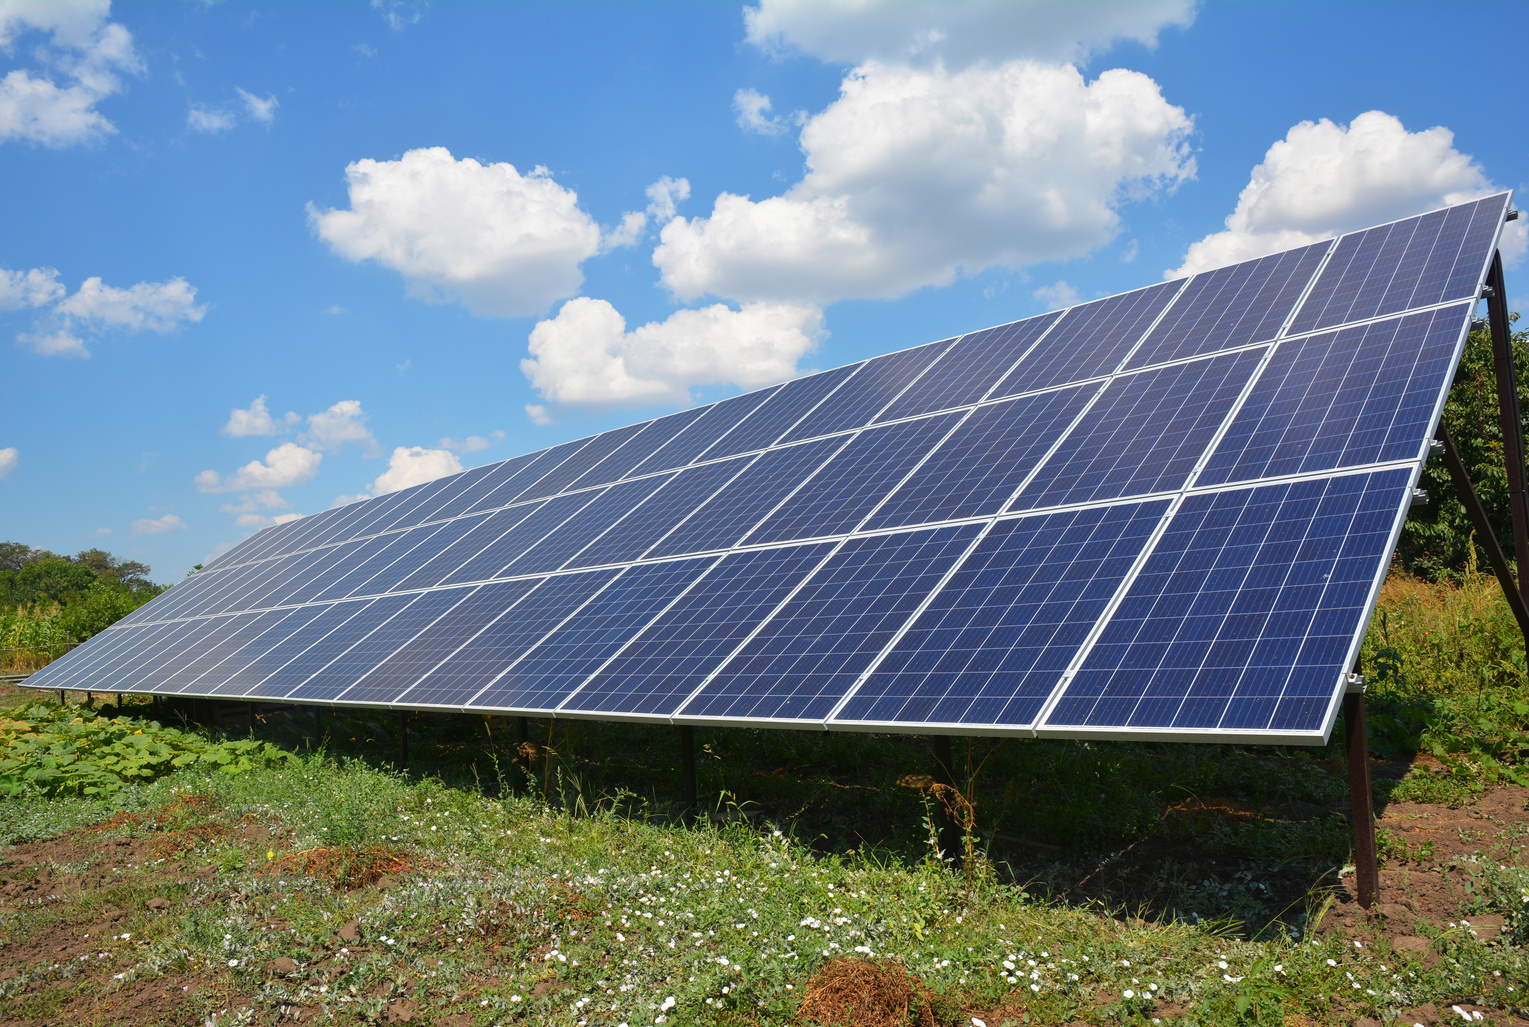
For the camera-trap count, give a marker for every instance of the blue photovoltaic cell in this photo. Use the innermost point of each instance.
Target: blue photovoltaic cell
(977, 470)
(446, 560)
(472, 666)
(279, 583)
(526, 533)
(859, 399)
(316, 643)
(138, 670)
(457, 491)
(579, 530)
(716, 421)
(570, 470)
(993, 644)
(1090, 340)
(413, 614)
(526, 476)
(745, 501)
(565, 658)
(967, 370)
(375, 555)
(837, 498)
(266, 654)
(440, 540)
(651, 521)
(234, 673)
(1360, 395)
(287, 538)
(98, 653)
(163, 607)
(654, 435)
(669, 660)
(327, 566)
(789, 404)
(1232, 306)
(369, 519)
(229, 586)
(485, 486)
(264, 576)
(470, 608)
(416, 547)
(1244, 615)
(243, 629)
(1418, 262)
(412, 512)
(808, 655)
(1145, 434)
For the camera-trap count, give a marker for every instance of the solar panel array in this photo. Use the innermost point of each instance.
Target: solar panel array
(1163, 514)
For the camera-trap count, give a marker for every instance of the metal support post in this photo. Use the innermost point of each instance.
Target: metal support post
(1510, 418)
(318, 724)
(252, 717)
(1362, 811)
(687, 772)
(945, 774)
(403, 739)
(119, 704)
(1484, 534)
(156, 707)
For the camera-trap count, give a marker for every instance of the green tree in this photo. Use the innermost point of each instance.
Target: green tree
(1436, 540)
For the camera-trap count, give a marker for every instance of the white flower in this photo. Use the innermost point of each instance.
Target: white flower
(668, 1003)
(1128, 993)
(978, 1023)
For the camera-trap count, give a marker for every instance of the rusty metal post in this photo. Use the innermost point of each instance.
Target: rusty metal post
(945, 774)
(1510, 418)
(1362, 810)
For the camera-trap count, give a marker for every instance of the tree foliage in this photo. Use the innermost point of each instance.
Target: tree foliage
(1437, 539)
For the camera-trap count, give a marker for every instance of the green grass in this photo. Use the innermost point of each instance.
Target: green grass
(518, 912)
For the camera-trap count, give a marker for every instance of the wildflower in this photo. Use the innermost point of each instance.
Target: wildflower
(1128, 993)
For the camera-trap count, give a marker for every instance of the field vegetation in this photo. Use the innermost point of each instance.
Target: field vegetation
(50, 603)
(218, 865)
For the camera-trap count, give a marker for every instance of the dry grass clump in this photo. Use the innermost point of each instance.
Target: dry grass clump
(346, 867)
(864, 993)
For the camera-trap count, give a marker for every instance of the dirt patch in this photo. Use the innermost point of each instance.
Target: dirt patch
(346, 867)
(865, 993)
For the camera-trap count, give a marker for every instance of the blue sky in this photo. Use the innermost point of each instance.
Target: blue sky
(431, 236)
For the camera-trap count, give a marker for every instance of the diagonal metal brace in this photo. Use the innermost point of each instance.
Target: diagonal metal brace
(1484, 533)
(1510, 417)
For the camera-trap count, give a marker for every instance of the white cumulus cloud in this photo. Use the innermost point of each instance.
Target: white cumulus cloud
(343, 422)
(918, 174)
(257, 420)
(485, 235)
(262, 110)
(415, 465)
(471, 444)
(957, 31)
(96, 307)
(254, 520)
(158, 525)
(585, 357)
(1057, 295)
(752, 109)
(54, 103)
(1324, 179)
(208, 119)
(264, 499)
(286, 465)
(8, 457)
(36, 287)
(665, 196)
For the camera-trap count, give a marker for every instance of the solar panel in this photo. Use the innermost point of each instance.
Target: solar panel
(1164, 514)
